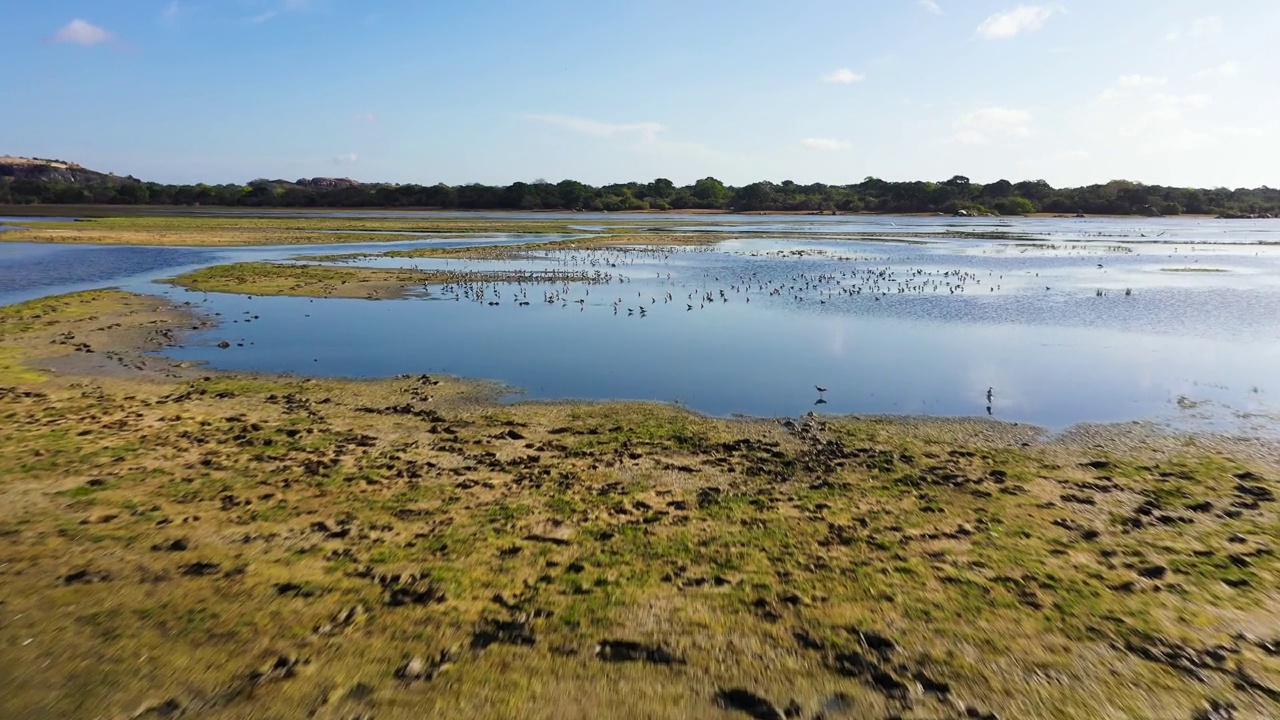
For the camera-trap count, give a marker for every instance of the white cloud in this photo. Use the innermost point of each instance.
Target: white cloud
(172, 11)
(1024, 18)
(1184, 140)
(1138, 81)
(584, 126)
(1242, 132)
(1136, 114)
(1174, 102)
(826, 144)
(346, 159)
(1225, 70)
(994, 123)
(843, 76)
(366, 117)
(261, 17)
(79, 32)
(1204, 27)
(931, 6)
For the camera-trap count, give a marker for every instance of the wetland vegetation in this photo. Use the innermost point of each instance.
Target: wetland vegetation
(183, 541)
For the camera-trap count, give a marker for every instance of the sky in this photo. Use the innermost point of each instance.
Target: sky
(1176, 92)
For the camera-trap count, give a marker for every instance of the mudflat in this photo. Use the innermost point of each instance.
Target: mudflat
(184, 542)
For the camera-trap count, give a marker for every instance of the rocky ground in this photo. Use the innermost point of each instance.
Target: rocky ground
(177, 542)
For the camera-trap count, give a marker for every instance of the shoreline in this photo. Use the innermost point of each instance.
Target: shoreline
(393, 546)
(131, 354)
(373, 532)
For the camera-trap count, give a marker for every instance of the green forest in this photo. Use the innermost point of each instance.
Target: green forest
(950, 196)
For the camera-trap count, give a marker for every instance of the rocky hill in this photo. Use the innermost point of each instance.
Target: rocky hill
(69, 173)
(59, 171)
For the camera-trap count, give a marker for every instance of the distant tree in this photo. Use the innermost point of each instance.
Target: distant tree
(710, 193)
(1014, 206)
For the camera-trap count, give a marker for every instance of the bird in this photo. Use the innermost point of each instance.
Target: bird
(990, 394)
(819, 388)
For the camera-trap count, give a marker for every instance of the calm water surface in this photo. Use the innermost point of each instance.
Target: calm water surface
(886, 327)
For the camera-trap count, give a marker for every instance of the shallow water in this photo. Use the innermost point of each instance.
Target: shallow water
(885, 327)
(32, 270)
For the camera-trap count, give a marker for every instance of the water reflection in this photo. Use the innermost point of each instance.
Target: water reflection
(756, 327)
(1086, 321)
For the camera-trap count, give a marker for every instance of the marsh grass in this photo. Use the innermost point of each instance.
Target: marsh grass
(314, 280)
(236, 546)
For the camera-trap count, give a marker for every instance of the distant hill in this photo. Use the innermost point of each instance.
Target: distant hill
(61, 171)
(56, 171)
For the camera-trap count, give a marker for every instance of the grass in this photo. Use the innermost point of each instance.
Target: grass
(260, 278)
(327, 537)
(1194, 270)
(178, 228)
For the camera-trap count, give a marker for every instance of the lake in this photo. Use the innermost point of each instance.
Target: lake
(1097, 320)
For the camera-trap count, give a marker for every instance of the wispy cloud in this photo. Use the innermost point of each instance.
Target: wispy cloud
(648, 138)
(994, 123)
(584, 126)
(366, 117)
(1137, 112)
(843, 76)
(1137, 81)
(1204, 27)
(283, 7)
(1010, 23)
(172, 12)
(826, 144)
(931, 6)
(1225, 70)
(347, 159)
(81, 32)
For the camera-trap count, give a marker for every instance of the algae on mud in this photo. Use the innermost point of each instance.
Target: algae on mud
(180, 541)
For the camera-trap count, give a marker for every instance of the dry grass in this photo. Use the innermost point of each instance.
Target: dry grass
(228, 546)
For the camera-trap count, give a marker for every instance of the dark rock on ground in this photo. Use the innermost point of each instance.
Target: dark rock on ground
(201, 568)
(750, 703)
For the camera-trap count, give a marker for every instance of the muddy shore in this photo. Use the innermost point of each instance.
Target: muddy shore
(179, 541)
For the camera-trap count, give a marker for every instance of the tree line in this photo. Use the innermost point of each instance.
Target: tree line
(1119, 197)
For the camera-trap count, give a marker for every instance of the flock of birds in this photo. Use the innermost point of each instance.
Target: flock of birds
(572, 286)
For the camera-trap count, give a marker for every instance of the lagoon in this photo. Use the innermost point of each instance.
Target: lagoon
(1067, 321)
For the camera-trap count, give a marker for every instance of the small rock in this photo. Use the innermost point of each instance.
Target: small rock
(412, 669)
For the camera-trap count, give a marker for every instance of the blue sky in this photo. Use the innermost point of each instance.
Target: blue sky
(1179, 92)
